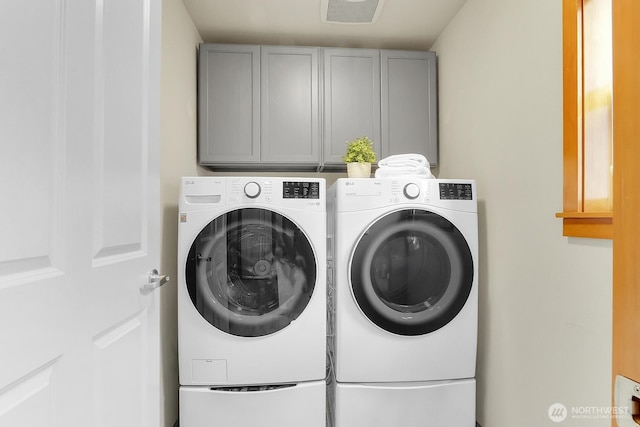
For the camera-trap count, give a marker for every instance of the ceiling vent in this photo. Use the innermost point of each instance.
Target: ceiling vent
(351, 11)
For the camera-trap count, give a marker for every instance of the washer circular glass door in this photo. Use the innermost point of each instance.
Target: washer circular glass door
(411, 272)
(251, 272)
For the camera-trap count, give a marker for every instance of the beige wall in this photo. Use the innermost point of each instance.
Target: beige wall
(177, 158)
(545, 300)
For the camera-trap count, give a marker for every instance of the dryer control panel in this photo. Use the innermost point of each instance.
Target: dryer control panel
(355, 195)
(456, 191)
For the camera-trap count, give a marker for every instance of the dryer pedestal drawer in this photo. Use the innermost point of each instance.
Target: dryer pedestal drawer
(424, 404)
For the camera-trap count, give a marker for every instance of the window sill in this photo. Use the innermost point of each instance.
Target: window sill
(595, 225)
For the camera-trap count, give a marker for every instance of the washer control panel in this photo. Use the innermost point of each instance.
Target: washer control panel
(301, 190)
(298, 193)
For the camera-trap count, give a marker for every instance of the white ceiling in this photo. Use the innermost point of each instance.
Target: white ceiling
(402, 24)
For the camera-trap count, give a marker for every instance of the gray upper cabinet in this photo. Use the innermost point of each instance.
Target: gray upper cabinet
(258, 107)
(229, 104)
(290, 134)
(351, 100)
(294, 108)
(409, 103)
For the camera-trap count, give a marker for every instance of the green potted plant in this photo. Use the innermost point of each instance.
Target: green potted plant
(359, 156)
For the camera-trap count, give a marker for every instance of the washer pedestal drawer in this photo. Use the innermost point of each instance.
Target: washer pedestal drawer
(297, 405)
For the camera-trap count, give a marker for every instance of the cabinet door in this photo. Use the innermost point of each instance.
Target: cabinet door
(229, 104)
(409, 104)
(289, 106)
(351, 100)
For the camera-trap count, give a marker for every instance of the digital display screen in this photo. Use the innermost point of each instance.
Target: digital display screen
(300, 190)
(453, 191)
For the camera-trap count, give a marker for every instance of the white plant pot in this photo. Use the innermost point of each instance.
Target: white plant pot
(359, 170)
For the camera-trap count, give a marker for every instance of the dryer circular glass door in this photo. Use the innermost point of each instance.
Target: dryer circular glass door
(411, 272)
(251, 272)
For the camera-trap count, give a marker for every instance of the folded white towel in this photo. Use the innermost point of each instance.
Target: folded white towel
(382, 173)
(404, 160)
(404, 165)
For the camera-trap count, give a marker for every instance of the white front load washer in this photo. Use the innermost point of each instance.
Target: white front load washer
(405, 268)
(251, 281)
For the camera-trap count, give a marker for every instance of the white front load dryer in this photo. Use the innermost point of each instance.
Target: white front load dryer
(251, 281)
(405, 266)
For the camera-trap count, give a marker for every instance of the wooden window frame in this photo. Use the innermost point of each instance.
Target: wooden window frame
(575, 221)
(626, 198)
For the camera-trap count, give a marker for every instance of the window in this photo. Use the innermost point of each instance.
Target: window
(588, 117)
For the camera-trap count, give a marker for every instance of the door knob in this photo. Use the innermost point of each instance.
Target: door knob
(155, 281)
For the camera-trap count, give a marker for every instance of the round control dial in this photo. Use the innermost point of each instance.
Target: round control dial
(411, 191)
(252, 189)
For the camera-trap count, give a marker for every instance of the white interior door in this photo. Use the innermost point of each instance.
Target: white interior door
(79, 208)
